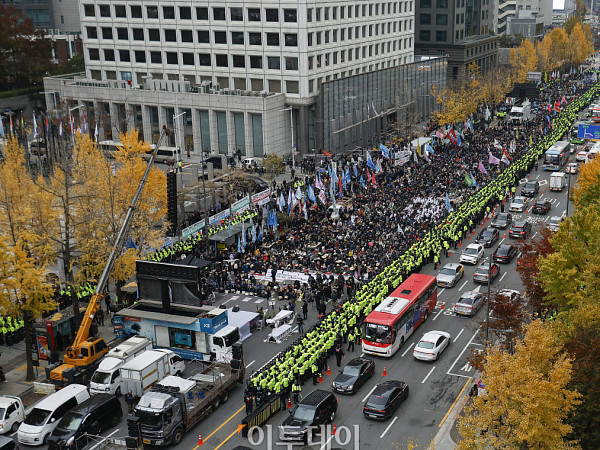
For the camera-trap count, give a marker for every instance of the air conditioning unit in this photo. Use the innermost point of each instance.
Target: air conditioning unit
(226, 91)
(238, 92)
(247, 93)
(56, 31)
(214, 91)
(264, 93)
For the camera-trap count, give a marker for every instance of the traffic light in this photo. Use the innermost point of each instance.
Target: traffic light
(172, 201)
(134, 429)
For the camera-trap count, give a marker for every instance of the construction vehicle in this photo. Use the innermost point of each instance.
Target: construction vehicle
(174, 405)
(83, 356)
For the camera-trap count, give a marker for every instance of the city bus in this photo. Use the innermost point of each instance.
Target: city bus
(557, 155)
(596, 114)
(389, 325)
(575, 139)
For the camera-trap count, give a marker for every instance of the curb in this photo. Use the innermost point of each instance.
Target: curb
(443, 440)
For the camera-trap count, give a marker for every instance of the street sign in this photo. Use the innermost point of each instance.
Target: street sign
(588, 131)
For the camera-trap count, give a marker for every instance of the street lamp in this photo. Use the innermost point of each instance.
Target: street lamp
(487, 308)
(568, 187)
(291, 110)
(177, 137)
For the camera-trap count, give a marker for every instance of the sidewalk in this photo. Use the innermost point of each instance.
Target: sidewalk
(12, 360)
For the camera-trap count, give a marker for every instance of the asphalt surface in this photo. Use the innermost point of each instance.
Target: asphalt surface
(434, 386)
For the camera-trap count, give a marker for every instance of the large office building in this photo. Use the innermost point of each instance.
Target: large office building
(229, 75)
(527, 17)
(460, 29)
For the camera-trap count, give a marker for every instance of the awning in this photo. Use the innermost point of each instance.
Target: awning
(222, 236)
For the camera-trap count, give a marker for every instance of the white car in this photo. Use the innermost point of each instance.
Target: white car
(12, 413)
(572, 168)
(431, 345)
(472, 254)
(581, 156)
(518, 204)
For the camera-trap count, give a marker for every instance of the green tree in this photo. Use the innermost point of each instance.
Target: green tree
(527, 401)
(274, 165)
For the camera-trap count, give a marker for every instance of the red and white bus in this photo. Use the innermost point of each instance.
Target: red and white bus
(398, 316)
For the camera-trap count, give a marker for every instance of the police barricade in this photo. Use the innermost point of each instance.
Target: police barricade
(262, 414)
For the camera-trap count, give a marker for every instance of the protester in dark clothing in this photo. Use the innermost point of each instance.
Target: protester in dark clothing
(339, 354)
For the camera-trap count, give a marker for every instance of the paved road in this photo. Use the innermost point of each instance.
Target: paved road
(434, 387)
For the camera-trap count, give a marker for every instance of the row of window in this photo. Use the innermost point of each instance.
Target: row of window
(252, 14)
(238, 37)
(440, 36)
(189, 59)
(440, 19)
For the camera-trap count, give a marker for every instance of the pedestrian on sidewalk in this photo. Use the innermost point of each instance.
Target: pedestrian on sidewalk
(300, 323)
(129, 400)
(305, 309)
(100, 316)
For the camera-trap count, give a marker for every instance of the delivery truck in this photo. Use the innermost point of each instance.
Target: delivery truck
(174, 405)
(107, 377)
(558, 181)
(150, 367)
(520, 113)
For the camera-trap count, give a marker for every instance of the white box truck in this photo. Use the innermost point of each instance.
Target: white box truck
(150, 367)
(558, 181)
(521, 113)
(107, 377)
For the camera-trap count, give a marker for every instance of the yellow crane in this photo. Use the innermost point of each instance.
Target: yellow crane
(83, 356)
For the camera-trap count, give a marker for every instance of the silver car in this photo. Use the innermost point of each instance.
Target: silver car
(469, 303)
(518, 204)
(450, 274)
(472, 254)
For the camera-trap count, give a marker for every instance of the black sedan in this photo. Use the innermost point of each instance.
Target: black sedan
(385, 399)
(542, 207)
(488, 237)
(530, 189)
(502, 220)
(520, 229)
(483, 271)
(354, 375)
(504, 253)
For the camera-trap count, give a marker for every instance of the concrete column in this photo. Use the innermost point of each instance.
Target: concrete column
(146, 123)
(248, 135)
(303, 130)
(196, 132)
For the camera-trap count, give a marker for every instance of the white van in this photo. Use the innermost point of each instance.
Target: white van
(163, 155)
(45, 415)
(12, 413)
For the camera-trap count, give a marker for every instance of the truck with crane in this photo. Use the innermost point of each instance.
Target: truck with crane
(83, 356)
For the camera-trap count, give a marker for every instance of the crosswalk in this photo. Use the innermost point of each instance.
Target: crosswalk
(245, 299)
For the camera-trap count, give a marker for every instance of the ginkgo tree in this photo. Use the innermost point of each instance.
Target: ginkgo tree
(25, 252)
(526, 400)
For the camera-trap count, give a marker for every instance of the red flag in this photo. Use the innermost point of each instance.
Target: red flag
(452, 136)
(328, 154)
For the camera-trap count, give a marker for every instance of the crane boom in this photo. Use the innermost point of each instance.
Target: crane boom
(94, 304)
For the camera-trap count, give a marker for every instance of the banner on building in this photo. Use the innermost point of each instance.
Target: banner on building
(240, 206)
(262, 198)
(219, 216)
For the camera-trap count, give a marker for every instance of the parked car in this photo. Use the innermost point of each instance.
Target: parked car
(504, 253)
(541, 207)
(450, 275)
(472, 254)
(488, 237)
(518, 204)
(469, 303)
(354, 375)
(431, 345)
(530, 189)
(502, 220)
(485, 271)
(520, 229)
(385, 399)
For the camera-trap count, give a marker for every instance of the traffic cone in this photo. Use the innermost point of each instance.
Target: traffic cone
(328, 371)
(460, 244)
(384, 374)
(504, 235)
(320, 378)
(442, 306)
(333, 430)
(200, 441)
(289, 405)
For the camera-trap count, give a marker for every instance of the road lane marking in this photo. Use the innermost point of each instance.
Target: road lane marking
(250, 363)
(228, 437)
(436, 316)
(458, 335)
(407, 350)
(463, 285)
(502, 277)
(113, 432)
(453, 404)
(326, 444)
(503, 239)
(477, 288)
(459, 356)
(221, 426)
(534, 235)
(369, 394)
(388, 427)
(430, 372)
(440, 293)
(557, 204)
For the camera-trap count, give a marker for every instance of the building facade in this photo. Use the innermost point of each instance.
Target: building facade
(459, 29)
(522, 12)
(55, 16)
(249, 51)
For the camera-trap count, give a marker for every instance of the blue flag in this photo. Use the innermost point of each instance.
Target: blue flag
(448, 206)
(370, 161)
(2, 128)
(311, 194)
(384, 151)
(229, 226)
(458, 140)
(355, 171)
(259, 237)
(239, 245)
(474, 180)
(362, 182)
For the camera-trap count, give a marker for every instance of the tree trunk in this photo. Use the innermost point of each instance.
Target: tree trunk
(28, 351)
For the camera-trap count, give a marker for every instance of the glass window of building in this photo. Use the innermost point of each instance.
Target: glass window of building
(124, 56)
(170, 36)
(239, 61)
(201, 13)
(441, 36)
(120, 11)
(203, 37)
(88, 10)
(291, 87)
(237, 37)
(425, 19)
(122, 34)
(168, 12)
(291, 63)
(221, 60)
(254, 38)
(272, 15)
(140, 56)
(204, 59)
(187, 59)
(154, 34)
(155, 58)
(186, 36)
(326, 13)
(152, 12)
(256, 62)
(309, 12)
(185, 13)
(92, 32)
(442, 3)
(219, 13)
(220, 37)
(290, 15)
(291, 40)
(424, 35)
(441, 19)
(104, 10)
(273, 39)
(273, 62)
(254, 14)
(136, 11)
(237, 14)
(94, 54)
(109, 54)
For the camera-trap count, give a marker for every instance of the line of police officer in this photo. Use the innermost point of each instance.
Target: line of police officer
(12, 330)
